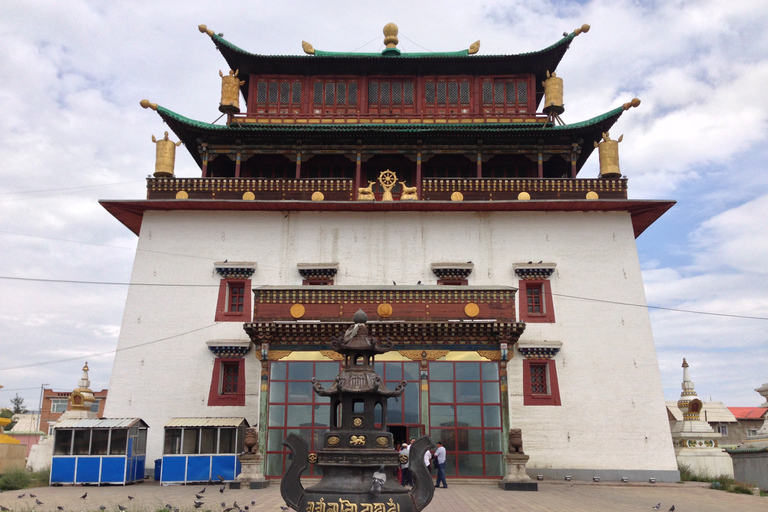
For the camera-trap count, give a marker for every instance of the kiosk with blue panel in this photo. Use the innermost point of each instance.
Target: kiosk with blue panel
(202, 450)
(99, 451)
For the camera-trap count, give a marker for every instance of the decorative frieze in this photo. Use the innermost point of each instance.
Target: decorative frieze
(532, 270)
(235, 269)
(453, 270)
(544, 349)
(318, 270)
(229, 348)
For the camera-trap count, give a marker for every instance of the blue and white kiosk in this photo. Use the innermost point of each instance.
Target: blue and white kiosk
(99, 451)
(202, 450)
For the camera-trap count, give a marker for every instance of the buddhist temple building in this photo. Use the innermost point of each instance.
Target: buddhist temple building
(441, 194)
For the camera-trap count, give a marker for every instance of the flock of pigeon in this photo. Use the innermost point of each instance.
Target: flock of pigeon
(198, 502)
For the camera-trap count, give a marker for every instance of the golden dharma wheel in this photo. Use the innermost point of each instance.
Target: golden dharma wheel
(457, 196)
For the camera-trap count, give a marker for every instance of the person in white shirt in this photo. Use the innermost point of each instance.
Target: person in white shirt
(440, 456)
(405, 472)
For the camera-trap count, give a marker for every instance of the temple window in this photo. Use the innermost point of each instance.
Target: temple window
(535, 291)
(58, 405)
(278, 95)
(318, 273)
(234, 298)
(505, 95)
(387, 96)
(447, 95)
(540, 386)
(229, 378)
(334, 96)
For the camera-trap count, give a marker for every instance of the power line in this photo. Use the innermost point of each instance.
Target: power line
(84, 187)
(591, 299)
(97, 354)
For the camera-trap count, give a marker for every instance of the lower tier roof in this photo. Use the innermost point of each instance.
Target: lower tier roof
(643, 212)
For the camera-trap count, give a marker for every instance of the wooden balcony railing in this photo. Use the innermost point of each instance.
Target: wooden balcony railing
(341, 189)
(421, 118)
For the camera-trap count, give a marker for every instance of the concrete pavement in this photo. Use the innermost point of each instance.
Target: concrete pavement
(459, 497)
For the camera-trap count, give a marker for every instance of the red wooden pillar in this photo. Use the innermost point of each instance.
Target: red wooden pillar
(418, 173)
(205, 161)
(574, 156)
(238, 159)
(479, 164)
(358, 170)
(298, 164)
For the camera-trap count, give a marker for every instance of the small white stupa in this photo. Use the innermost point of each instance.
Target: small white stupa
(696, 443)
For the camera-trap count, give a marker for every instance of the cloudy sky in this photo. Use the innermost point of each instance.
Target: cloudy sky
(72, 132)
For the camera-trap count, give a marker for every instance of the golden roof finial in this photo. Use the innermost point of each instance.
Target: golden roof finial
(634, 103)
(308, 48)
(147, 104)
(205, 30)
(584, 28)
(85, 368)
(474, 48)
(390, 35)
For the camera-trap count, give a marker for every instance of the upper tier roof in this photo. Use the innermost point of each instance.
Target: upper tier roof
(395, 62)
(585, 132)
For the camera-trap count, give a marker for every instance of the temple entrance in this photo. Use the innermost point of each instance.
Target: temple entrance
(399, 433)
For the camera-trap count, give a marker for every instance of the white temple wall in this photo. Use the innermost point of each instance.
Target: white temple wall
(610, 387)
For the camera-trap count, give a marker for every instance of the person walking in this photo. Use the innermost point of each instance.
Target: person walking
(440, 463)
(405, 471)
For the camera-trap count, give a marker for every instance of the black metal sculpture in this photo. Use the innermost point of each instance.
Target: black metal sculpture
(357, 455)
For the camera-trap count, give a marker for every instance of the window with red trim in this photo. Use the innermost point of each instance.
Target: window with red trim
(227, 382)
(317, 282)
(390, 96)
(505, 95)
(234, 302)
(452, 282)
(278, 95)
(540, 385)
(447, 95)
(536, 301)
(334, 96)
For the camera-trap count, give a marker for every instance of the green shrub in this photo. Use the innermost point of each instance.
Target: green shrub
(15, 479)
(42, 477)
(741, 489)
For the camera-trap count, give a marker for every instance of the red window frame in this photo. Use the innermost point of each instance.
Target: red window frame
(334, 106)
(268, 94)
(229, 290)
(452, 282)
(216, 395)
(388, 95)
(546, 312)
(437, 86)
(505, 95)
(533, 396)
(318, 282)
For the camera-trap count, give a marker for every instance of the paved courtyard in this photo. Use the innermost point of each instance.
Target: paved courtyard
(459, 497)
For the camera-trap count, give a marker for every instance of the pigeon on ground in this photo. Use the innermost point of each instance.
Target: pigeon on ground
(201, 492)
(130, 497)
(38, 501)
(21, 495)
(199, 496)
(284, 508)
(229, 509)
(656, 507)
(4, 509)
(245, 507)
(221, 478)
(32, 495)
(59, 508)
(169, 506)
(222, 489)
(235, 505)
(199, 503)
(672, 508)
(223, 504)
(122, 508)
(102, 507)
(84, 496)
(253, 502)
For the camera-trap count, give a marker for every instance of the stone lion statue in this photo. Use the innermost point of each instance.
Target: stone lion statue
(251, 440)
(515, 441)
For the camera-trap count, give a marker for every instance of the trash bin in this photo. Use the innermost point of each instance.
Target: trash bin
(158, 468)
